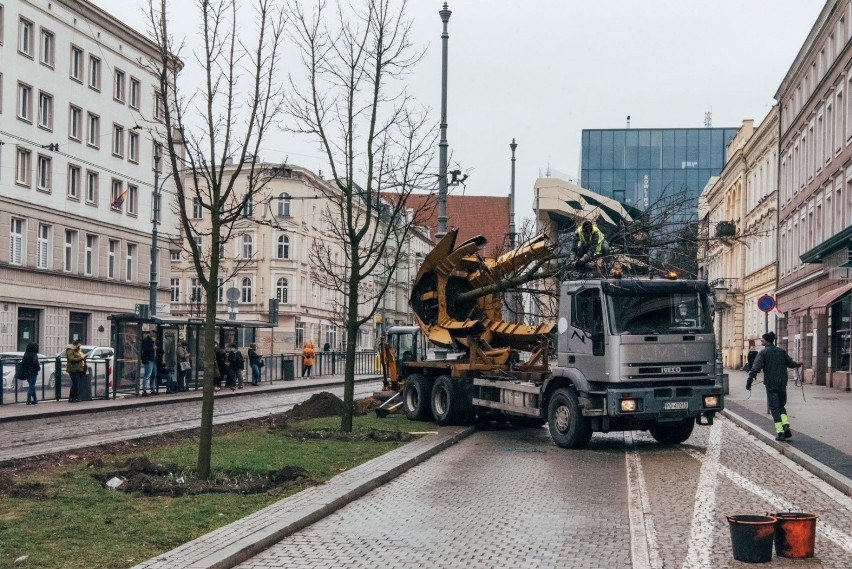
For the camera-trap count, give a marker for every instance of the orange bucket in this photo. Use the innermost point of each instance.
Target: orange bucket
(795, 534)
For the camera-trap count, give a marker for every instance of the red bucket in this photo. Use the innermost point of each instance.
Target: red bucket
(795, 534)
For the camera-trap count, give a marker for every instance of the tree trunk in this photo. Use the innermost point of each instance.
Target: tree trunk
(205, 439)
(349, 367)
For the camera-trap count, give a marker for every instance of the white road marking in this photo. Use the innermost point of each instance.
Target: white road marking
(704, 512)
(644, 550)
(778, 503)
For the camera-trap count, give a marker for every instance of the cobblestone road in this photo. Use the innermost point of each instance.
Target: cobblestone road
(509, 498)
(39, 436)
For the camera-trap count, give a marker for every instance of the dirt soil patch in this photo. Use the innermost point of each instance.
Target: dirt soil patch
(140, 475)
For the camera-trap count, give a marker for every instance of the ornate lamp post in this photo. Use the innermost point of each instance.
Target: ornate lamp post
(152, 292)
(512, 146)
(720, 294)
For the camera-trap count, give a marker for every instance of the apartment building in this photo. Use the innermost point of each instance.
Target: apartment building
(722, 257)
(78, 108)
(815, 199)
(269, 256)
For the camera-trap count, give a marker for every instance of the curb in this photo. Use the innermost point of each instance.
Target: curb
(243, 539)
(821, 471)
(133, 402)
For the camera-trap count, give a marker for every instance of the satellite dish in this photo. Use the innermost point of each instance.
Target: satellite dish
(233, 293)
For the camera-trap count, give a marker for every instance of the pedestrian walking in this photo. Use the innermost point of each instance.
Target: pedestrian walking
(184, 359)
(307, 359)
(75, 364)
(223, 370)
(29, 371)
(149, 363)
(774, 362)
(256, 362)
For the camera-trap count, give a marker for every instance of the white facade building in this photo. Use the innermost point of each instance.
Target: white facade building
(76, 172)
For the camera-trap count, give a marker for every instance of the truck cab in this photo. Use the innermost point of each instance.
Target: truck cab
(635, 354)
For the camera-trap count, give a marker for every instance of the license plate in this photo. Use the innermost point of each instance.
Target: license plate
(676, 405)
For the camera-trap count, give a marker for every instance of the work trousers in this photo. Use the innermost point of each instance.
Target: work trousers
(777, 399)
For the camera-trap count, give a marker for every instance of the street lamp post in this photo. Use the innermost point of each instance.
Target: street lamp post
(152, 299)
(442, 145)
(720, 294)
(513, 146)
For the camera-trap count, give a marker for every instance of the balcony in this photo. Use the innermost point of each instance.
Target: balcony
(726, 229)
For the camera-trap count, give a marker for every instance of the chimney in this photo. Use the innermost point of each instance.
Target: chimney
(628, 121)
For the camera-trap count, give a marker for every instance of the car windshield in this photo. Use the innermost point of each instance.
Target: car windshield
(659, 313)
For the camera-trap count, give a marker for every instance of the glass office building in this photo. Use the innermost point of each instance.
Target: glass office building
(623, 163)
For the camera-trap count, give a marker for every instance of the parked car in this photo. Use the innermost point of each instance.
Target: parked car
(9, 359)
(98, 358)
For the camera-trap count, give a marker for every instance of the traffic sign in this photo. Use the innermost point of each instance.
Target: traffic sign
(766, 303)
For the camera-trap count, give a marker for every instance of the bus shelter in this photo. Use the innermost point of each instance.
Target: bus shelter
(127, 333)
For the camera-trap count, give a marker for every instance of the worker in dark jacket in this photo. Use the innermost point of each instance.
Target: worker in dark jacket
(774, 362)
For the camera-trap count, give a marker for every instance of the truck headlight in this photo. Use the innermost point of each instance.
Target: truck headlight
(711, 400)
(628, 405)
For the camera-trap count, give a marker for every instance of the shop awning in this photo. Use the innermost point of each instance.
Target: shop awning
(826, 299)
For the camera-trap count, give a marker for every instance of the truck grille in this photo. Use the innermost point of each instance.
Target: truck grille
(669, 370)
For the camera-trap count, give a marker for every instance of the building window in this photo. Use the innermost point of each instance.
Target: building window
(1, 24)
(220, 290)
(281, 290)
(73, 181)
(283, 247)
(23, 167)
(131, 253)
(48, 50)
(118, 84)
(91, 187)
(197, 212)
(25, 37)
(25, 102)
(68, 261)
(118, 141)
(91, 254)
(133, 147)
(248, 208)
(43, 247)
(16, 242)
(76, 64)
(248, 246)
(111, 252)
(117, 196)
(199, 243)
(194, 290)
(94, 73)
(132, 198)
(134, 93)
(175, 289)
(247, 291)
(45, 111)
(75, 120)
(284, 205)
(158, 107)
(94, 136)
(43, 173)
(175, 256)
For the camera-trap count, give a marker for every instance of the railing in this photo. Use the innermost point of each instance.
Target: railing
(101, 382)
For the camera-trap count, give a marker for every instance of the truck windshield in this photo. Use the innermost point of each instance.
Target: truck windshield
(659, 313)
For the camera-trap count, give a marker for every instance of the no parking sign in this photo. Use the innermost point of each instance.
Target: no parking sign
(766, 303)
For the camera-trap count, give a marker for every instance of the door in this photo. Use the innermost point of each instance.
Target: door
(586, 334)
(28, 329)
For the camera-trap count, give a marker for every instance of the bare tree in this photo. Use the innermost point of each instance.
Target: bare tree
(352, 101)
(212, 134)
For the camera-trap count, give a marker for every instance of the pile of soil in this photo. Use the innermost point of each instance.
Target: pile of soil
(139, 474)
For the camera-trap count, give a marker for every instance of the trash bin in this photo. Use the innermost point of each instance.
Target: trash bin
(84, 388)
(795, 534)
(752, 537)
(287, 371)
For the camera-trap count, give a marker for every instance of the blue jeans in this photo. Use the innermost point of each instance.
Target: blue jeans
(255, 374)
(149, 376)
(31, 391)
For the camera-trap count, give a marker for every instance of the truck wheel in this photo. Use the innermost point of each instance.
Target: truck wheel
(524, 422)
(444, 404)
(415, 398)
(568, 427)
(672, 433)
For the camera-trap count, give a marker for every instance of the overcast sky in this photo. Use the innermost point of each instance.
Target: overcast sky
(542, 70)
